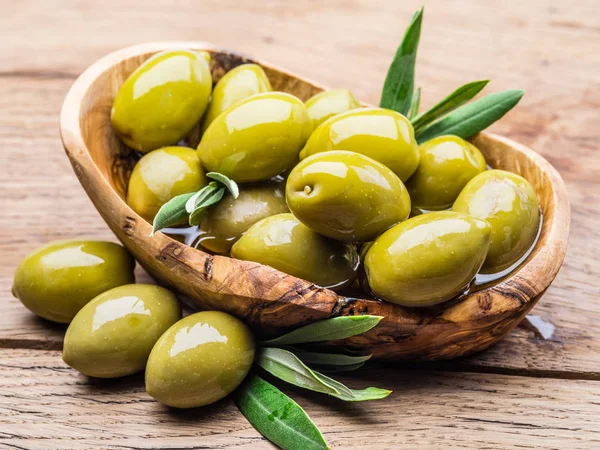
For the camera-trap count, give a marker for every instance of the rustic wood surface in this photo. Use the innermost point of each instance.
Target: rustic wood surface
(526, 391)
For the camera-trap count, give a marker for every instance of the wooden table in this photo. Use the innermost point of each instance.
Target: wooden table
(525, 392)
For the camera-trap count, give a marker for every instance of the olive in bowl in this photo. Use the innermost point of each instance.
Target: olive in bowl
(327, 104)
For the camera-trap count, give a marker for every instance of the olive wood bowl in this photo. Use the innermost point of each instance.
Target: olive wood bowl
(272, 302)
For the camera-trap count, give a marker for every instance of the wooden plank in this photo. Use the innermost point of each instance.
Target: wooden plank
(46, 405)
(42, 200)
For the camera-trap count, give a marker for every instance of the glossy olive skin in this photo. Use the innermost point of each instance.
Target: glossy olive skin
(257, 138)
(112, 335)
(381, 134)
(427, 259)
(200, 360)
(346, 196)
(225, 222)
(286, 244)
(509, 204)
(325, 105)
(161, 175)
(447, 164)
(58, 279)
(162, 100)
(237, 84)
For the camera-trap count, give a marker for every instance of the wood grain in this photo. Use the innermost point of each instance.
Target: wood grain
(46, 405)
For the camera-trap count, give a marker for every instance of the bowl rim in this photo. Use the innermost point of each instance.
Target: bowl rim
(536, 273)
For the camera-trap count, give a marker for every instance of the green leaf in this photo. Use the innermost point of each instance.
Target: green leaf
(327, 330)
(277, 417)
(457, 98)
(400, 80)
(354, 395)
(326, 368)
(286, 366)
(227, 182)
(197, 214)
(473, 117)
(171, 213)
(330, 359)
(414, 104)
(201, 195)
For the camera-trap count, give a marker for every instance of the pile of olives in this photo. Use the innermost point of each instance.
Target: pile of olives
(331, 192)
(117, 328)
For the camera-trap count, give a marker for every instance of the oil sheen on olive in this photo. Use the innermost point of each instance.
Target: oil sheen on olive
(162, 100)
(446, 165)
(225, 222)
(237, 84)
(286, 244)
(346, 196)
(257, 138)
(381, 134)
(58, 279)
(427, 259)
(327, 104)
(509, 204)
(112, 335)
(200, 360)
(161, 175)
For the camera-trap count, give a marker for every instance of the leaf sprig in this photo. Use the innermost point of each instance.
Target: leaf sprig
(193, 205)
(452, 115)
(287, 425)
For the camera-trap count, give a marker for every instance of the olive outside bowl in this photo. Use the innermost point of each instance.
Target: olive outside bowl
(272, 302)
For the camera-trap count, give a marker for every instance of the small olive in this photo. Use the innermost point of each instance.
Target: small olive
(446, 165)
(346, 196)
(161, 175)
(509, 204)
(427, 259)
(112, 335)
(327, 104)
(286, 244)
(257, 138)
(224, 223)
(382, 134)
(162, 100)
(58, 279)
(200, 360)
(237, 84)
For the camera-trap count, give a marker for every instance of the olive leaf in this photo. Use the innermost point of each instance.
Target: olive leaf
(400, 80)
(331, 362)
(456, 99)
(473, 117)
(414, 104)
(288, 367)
(277, 417)
(227, 182)
(197, 214)
(201, 195)
(327, 330)
(354, 395)
(171, 213)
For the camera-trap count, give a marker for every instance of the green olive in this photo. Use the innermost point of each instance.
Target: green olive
(161, 175)
(427, 259)
(224, 223)
(509, 204)
(285, 244)
(346, 196)
(200, 360)
(112, 335)
(162, 100)
(58, 279)
(446, 165)
(237, 84)
(256, 139)
(381, 134)
(327, 104)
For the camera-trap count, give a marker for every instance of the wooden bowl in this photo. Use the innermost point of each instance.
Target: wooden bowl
(270, 301)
